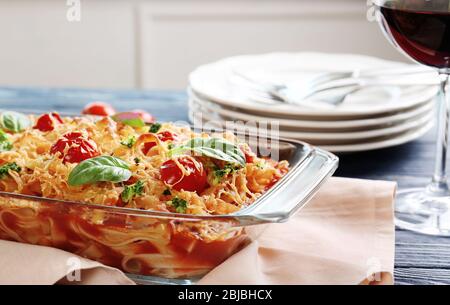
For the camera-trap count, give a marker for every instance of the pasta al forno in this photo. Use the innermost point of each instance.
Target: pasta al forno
(118, 161)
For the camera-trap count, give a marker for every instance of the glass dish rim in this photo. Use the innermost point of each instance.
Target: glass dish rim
(157, 214)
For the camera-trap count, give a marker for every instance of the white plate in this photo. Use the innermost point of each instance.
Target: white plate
(398, 140)
(386, 142)
(319, 137)
(214, 82)
(372, 123)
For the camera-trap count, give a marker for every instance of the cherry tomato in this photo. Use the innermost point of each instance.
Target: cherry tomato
(249, 154)
(147, 117)
(163, 136)
(166, 136)
(172, 175)
(47, 122)
(120, 203)
(79, 148)
(99, 108)
(147, 147)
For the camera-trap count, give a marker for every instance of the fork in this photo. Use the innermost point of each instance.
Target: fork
(350, 81)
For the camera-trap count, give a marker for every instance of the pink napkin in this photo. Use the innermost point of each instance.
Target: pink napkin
(37, 265)
(344, 236)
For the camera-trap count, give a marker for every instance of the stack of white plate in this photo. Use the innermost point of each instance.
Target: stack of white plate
(371, 118)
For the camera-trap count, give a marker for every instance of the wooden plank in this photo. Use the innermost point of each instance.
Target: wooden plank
(421, 251)
(164, 105)
(421, 276)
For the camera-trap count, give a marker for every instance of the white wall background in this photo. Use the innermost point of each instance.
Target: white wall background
(154, 44)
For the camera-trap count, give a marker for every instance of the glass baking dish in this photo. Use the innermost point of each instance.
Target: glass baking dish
(161, 247)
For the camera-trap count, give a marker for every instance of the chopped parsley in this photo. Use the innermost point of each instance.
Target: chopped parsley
(167, 192)
(261, 165)
(4, 142)
(137, 160)
(179, 204)
(220, 173)
(4, 169)
(129, 142)
(155, 127)
(132, 191)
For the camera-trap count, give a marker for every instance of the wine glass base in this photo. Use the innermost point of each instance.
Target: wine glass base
(421, 211)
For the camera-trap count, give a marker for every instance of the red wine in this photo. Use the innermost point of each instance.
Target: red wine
(423, 35)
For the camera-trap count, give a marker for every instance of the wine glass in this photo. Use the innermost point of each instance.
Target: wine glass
(421, 30)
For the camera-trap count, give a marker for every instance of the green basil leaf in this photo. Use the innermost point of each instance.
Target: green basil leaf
(133, 119)
(216, 148)
(3, 136)
(14, 121)
(103, 168)
(134, 122)
(5, 146)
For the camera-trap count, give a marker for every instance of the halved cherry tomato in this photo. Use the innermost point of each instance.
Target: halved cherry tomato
(47, 122)
(147, 117)
(163, 136)
(249, 154)
(99, 108)
(79, 148)
(166, 136)
(147, 147)
(120, 203)
(172, 175)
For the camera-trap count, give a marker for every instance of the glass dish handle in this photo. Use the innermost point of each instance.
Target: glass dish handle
(294, 192)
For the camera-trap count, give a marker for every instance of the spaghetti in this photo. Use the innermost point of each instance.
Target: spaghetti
(41, 160)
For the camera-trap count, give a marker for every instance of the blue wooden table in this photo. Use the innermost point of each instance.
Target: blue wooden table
(419, 259)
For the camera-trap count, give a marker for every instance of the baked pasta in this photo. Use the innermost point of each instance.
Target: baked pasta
(127, 161)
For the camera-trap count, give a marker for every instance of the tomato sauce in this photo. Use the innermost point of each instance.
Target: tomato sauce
(96, 234)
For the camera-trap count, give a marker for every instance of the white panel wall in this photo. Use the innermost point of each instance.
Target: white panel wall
(176, 36)
(154, 44)
(40, 47)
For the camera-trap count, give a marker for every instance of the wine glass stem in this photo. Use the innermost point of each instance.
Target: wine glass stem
(439, 185)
